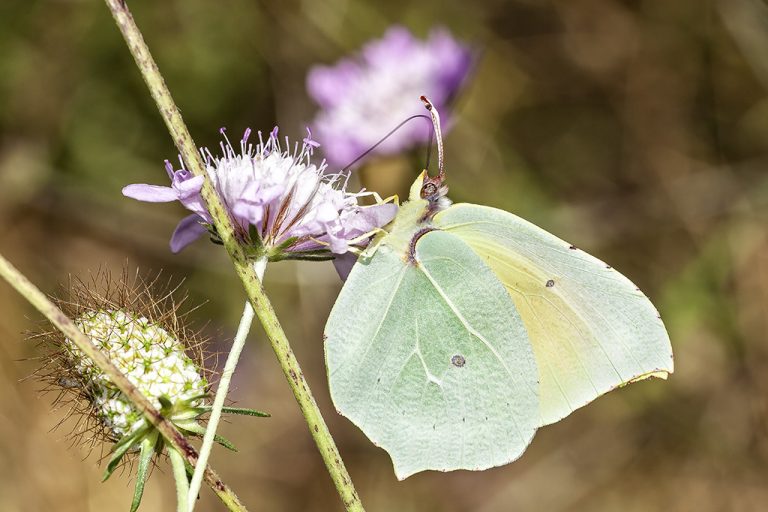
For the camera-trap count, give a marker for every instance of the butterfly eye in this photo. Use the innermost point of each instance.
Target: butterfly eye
(428, 190)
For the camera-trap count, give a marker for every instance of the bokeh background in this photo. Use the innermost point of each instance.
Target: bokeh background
(637, 130)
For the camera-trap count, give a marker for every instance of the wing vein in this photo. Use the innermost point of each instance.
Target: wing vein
(473, 332)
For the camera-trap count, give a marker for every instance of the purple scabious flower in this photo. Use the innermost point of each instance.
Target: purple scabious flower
(283, 205)
(364, 96)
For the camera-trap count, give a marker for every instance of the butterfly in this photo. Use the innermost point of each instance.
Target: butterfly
(463, 328)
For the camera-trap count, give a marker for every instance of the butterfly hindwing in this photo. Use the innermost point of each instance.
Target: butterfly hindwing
(428, 356)
(592, 330)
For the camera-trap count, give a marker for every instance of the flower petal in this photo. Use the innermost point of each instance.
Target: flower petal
(377, 87)
(344, 263)
(150, 193)
(248, 212)
(326, 212)
(186, 232)
(379, 215)
(189, 187)
(328, 84)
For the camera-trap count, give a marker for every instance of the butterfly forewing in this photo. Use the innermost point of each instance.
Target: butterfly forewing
(591, 328)
(429, 357)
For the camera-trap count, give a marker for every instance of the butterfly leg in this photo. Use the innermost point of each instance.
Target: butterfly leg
(391, 199)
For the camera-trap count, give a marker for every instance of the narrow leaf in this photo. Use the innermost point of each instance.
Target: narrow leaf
(224, 442)
(182, 482)
(190, 426)
(145, 457)
(120, 449)
(165, 403)
(239, 410)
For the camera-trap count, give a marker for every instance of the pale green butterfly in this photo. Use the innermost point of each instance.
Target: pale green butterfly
(463, 328)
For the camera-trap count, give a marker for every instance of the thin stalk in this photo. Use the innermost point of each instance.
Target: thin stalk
(225, 229)
(221, 393)
(182, 484)
(174, 438)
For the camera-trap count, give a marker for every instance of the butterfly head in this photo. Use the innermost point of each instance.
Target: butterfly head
(431, 189)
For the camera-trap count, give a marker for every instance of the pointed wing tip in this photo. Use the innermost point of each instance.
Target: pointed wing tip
(401, 474)
(658, 374)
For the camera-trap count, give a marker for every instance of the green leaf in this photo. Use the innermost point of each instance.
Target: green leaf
(255, 237)
(180, 475)
(145, 458)
(283, 246)
(195, 398)
(121, 448)
(224, 442)
(238, 410)
(314, 255)
(190, 426)
(165, 404)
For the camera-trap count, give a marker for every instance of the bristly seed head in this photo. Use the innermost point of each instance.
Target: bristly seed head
(145, 335)
(141, 327)
(150, 356)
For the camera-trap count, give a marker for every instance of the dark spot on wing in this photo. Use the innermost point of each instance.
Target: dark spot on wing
(458, 360)
(550, 283)
(572, 247)
(608, 267)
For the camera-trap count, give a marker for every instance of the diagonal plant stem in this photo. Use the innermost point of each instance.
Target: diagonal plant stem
(225, 229)
(174, 438)
(221, 392)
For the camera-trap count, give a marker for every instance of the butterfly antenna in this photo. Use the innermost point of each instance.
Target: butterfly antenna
(438, 136)
(388, 135)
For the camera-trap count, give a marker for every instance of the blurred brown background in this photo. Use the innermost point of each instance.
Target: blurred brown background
(637, 130)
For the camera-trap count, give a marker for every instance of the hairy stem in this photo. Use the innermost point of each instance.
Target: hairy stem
(182, 484)
(174, 438)
(221, 393)
(226, 231)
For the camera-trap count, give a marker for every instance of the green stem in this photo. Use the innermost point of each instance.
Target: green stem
(209, 438)
(174, 438)
(182, 484)
(225, 229)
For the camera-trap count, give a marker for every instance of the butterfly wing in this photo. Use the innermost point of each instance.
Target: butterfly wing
(429, 358)
(591, 328)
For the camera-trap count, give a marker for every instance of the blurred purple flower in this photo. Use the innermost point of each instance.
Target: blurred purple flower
(289, 205)
(364, 96)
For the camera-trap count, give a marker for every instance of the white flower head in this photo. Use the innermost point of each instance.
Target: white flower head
(150, 356)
